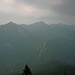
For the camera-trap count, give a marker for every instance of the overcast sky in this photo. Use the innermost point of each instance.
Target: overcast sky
(30, 11)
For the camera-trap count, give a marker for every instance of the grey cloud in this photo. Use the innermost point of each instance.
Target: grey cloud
(8, 17)
(51, 11)
(37, 3)
(66, 8)
(63, 7)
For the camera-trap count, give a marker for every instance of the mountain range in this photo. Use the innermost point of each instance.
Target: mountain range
(35, 44)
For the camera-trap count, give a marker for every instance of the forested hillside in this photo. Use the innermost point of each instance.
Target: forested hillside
(35, 44)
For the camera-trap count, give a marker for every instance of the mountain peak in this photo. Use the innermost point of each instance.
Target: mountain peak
(11, 23)
(40, 23)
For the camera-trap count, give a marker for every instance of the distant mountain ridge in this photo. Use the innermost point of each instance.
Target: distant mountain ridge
(34, 44)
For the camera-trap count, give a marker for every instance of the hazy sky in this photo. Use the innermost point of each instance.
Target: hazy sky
(29, 11)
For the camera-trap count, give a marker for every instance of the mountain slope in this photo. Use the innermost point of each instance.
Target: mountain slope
(54, 68)
(57, 48)
(15, 47)
(35, 44)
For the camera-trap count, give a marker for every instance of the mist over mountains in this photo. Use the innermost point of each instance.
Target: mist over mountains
(35, 44)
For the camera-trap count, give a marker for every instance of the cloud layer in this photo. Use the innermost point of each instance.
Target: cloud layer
(29, 11)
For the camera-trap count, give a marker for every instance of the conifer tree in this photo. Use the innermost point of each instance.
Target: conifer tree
(26, 71)
(65, 72)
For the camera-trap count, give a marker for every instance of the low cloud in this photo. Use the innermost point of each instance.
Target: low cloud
(51, 11)
(60, 6)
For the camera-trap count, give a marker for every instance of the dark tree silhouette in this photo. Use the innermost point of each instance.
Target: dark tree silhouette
(26, 71)
(65, 72)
